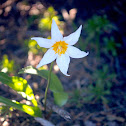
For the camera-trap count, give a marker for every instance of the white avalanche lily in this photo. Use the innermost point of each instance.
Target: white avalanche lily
(60, 48)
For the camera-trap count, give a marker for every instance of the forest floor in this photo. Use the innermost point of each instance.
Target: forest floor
(19, 21)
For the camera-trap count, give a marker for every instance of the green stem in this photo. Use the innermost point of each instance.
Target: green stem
(98, 44)
(49, 78)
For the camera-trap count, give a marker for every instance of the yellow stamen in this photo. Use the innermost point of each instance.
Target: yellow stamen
(60, 47)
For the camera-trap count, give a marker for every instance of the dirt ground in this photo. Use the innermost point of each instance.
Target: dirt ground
(15, 28)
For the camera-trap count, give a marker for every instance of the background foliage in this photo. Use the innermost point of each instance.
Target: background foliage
(96, 87)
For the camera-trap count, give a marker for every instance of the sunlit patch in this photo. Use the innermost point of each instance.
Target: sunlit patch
(60, 47)
(4, 70)
(28, 109)
(37, 97)
(33, 71)
(2, 119)
(5, 123)
(56, 68)
(28, 103)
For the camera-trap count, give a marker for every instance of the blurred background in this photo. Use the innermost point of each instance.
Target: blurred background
(96, 87)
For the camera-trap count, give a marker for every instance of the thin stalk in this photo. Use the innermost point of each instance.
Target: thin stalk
(98, 44)
(49, 79)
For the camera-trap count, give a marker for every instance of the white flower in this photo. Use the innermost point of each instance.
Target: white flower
(60, 48)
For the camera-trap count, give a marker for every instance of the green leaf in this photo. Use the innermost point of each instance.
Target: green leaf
(20, 85)
(60, 98)
(89, 98)
(55, 84)
(105, 101)
(33, 111)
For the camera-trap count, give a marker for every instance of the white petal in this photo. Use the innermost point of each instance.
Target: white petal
(63, 63)
(48, 57)
(75, 52)
(43, 42)
(74, 37)
(55, 33)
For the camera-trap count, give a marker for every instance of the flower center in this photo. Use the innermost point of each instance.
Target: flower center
(60, 47)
